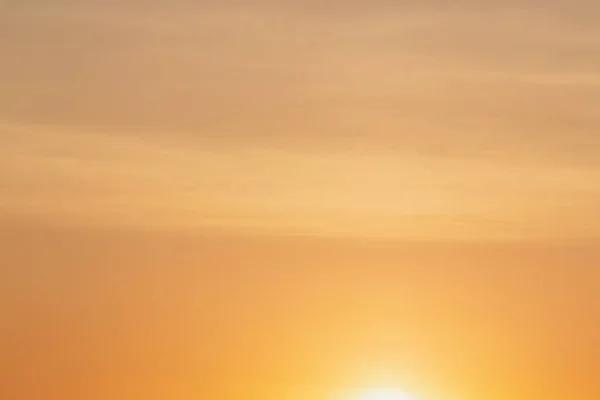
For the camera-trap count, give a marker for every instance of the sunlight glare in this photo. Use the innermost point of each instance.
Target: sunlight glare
(384, 394)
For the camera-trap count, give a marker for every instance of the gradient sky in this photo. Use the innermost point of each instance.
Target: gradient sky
(212, 199)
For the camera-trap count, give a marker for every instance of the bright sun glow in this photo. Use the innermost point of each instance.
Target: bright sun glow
(384, 394)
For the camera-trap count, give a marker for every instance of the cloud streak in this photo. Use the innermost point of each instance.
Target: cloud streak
(304, 115)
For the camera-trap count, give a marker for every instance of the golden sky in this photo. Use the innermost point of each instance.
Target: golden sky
(279, 199)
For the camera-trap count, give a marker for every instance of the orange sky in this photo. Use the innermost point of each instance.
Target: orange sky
(281, 200)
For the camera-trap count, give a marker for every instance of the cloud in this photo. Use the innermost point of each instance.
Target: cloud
(110, 178)
(301, 113)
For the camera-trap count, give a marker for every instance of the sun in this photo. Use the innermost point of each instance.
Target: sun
(384, 394)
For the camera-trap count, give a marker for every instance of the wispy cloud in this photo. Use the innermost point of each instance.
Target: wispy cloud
(288, 112)
(91, 176)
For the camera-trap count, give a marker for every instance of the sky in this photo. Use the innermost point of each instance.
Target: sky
(281, 199)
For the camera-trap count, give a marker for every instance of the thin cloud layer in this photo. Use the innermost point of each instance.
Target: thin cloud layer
(288, 112)
(115, 179)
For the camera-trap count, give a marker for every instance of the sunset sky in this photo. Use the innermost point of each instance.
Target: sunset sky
(281, 200)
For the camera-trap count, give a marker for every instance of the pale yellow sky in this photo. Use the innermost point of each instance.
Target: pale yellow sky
(276, 200)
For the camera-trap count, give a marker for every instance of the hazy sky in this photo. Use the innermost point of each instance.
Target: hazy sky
(279, 199)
